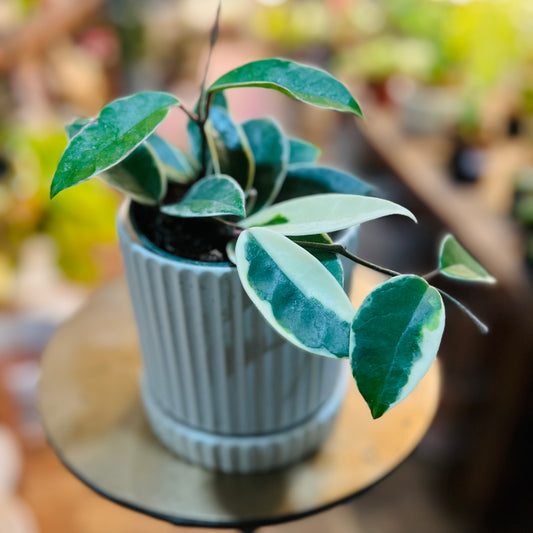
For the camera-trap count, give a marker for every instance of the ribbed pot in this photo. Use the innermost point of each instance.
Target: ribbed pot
(220, 387)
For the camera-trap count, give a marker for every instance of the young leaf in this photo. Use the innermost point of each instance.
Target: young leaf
(302, 152)
(330, 260)
(119, 128)
(175, 164)
(138, 176)
(229, 148)
(323, 213)
(456, 262)
(211, 196)
(271, 154)
(296, 294)
(305, 179)
(395, 337)
(304, 83)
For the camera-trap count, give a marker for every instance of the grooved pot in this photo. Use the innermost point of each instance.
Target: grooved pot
(220, 387)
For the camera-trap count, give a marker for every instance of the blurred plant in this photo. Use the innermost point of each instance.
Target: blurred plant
(29, 156)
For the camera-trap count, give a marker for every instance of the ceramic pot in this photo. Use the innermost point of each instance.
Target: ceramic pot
(220, 387)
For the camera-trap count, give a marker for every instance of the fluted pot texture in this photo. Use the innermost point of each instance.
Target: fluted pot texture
(220, 387)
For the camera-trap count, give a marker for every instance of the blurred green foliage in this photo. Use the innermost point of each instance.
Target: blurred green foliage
(31, 155)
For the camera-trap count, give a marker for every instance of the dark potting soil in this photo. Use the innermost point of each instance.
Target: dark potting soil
(198, 239)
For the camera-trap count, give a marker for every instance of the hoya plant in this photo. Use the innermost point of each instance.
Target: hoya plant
(263, 194)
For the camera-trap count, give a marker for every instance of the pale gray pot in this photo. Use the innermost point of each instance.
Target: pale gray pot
(220, 387)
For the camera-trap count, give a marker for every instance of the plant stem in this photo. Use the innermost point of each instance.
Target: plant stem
(193, 116)
(341, 250)
(431, 274)
(226, 222)
(481, 326)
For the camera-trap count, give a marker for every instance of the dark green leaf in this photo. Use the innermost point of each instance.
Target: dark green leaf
(175, 164)
(299, 298)
(138, 176)
(270, 150)
(306, 179)
(456, 262)
(395, 337)
(302, 152)
(215, 195)
(119, 128)
(308, 84)
(229, 148)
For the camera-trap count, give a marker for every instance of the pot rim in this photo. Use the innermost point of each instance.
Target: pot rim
(125, 216)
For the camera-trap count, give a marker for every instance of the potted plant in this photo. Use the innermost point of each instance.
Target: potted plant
(220, 386)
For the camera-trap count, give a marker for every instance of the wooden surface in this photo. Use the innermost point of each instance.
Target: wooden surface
(91, 409)
(475, 213)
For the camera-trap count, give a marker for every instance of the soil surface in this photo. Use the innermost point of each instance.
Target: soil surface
(198, 239)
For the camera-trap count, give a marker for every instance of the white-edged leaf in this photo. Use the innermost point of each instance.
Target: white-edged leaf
(295, 293)
(323, 213)
(456, 262)
(330, 260)
(120, 127)
(215, 195)
(396, 334)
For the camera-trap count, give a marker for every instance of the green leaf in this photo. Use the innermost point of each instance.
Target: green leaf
(175, 164)
(305, 179)
(119, 128)
(302, 152)
(396, 334)
(456, 262)
(297, 295)
(270, 151)
(229, 148)
(75, 127)
(193, 130)
(139, 176)
(211, 196)
(323, 213)
(304, 83)
(330, 260)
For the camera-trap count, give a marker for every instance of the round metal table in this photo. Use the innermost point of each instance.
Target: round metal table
(91, 409)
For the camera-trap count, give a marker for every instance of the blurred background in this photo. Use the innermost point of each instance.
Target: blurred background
(446, 87)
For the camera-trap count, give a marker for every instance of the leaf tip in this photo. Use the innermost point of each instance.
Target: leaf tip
(377, 410)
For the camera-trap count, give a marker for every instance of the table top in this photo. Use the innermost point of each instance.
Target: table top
(91, 409)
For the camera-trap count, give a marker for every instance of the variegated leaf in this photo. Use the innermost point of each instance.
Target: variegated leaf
(395, 337)
(456, 262)
(323, 213)
(215, 195)
(120, 127)
(295, 293)
(330, 260)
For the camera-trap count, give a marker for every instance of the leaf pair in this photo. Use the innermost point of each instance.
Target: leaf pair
(391, 340)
